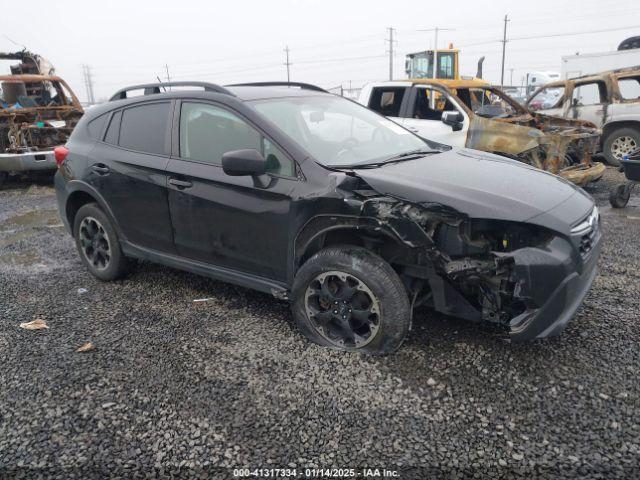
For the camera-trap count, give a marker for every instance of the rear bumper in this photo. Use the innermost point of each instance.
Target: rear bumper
(561, 284)
(25, 162)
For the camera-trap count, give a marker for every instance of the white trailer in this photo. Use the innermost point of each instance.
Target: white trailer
(585, 64)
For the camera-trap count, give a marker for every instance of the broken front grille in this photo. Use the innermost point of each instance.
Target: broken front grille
(587, 241)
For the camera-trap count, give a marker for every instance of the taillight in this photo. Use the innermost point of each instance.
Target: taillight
(60, 154)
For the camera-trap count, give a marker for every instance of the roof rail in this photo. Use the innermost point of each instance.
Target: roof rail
(154, 88)
(304, 86)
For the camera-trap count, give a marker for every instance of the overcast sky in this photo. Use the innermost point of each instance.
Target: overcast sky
(331, 42)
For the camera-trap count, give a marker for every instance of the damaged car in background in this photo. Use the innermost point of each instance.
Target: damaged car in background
(610, 100)
(318, 200)
(38, 112)
(473, 114)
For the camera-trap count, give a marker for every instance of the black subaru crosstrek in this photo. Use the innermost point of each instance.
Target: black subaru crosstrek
(315, 199)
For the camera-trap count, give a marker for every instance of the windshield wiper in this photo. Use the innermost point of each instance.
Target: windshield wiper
(401, 157)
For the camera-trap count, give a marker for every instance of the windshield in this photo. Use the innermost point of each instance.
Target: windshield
(338, 132)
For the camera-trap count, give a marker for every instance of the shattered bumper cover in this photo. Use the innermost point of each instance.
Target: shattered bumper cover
(555, 283)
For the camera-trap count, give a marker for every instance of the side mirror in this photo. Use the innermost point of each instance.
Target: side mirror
(244, 162)
(453, 118)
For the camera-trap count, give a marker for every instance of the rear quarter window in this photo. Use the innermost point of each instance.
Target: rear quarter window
(387, 100)
(113, 131)
(143, 128)
(630, 88)
(96, 126)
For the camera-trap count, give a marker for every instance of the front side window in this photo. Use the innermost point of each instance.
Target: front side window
(336, 131)
(207, 132)
(587, 94)
(429, 104)
(144, 127)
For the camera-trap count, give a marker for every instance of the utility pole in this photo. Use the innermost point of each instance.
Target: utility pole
(504, 46)
(390, 40)
(88, 83)
(434, 72)
(166, 67)
(287, 63)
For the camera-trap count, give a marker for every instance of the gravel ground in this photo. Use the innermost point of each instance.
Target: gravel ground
(174, 387)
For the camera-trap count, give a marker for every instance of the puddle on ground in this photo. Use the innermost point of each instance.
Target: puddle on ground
(22, 228)
(29, 258)
(33, 218)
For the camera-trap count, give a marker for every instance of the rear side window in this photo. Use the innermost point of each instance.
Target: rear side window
(144, 127)
(630, 88)
(387, 100)
(96, 126)
(114, 129)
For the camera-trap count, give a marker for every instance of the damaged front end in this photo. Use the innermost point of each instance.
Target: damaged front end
(524, 278)
(38, 113)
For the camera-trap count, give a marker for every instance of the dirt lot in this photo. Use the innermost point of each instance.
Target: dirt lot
(187, 388)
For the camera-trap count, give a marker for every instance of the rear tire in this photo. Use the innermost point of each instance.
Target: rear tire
(619, 142)
(619, 196)
(98, 244)
(348, 298)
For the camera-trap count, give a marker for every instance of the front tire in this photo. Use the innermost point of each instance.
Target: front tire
(98, 244)
(348, 298)
(620, 142)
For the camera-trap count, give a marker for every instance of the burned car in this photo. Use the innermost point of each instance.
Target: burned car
(610, 100)
(38, 112)
(318, 200)
(473, 114)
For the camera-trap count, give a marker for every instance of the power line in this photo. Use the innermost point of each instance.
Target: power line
(570, 34)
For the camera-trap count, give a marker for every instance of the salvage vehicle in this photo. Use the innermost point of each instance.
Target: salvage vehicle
(473, 114)
(610, 100)
(287, 189)
(37, 113)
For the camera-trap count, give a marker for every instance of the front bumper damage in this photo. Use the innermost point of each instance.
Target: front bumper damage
(529, 284)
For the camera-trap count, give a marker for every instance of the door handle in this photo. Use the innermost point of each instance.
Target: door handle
(412, 129)
(180, 184)
(100, 168)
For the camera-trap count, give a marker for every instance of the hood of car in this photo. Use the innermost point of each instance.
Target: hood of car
(481, 185)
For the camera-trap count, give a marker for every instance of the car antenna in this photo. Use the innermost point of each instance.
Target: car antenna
(160, 82)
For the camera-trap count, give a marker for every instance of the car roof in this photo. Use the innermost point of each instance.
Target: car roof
(248, 93)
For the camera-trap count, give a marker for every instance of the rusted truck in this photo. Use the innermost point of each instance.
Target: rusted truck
(610, 100)
(473, 114)
(38, 112)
